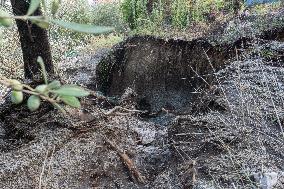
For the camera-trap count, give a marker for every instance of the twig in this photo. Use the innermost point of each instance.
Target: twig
(127, 161)
(28, 87)
(41, 96)
(194, 172)
(43, 169)
(117, 108)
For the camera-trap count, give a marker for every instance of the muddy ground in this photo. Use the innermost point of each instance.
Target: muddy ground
(223, 128)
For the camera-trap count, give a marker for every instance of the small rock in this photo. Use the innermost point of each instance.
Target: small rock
(147, 135)
(266, 180)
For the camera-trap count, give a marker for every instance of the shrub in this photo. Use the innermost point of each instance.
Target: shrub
(134, 12)
(200, 10)
(144, 18)
(158, 13)
(180, 13)
(108, 14)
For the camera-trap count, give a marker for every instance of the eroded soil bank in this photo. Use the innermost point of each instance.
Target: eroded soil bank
(169, 73)
(205, 127)
(163, 73)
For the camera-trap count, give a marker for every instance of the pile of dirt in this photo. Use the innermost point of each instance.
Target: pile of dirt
(230, 136)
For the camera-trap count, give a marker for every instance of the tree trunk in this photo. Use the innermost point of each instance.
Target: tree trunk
(237, 5)
(149, 6)
(34, 42)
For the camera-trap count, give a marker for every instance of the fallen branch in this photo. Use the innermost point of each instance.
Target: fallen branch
(127, 161)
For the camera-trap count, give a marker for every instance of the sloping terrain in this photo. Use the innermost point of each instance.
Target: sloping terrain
(230, 136)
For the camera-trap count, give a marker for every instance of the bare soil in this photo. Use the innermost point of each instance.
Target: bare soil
(230, 135)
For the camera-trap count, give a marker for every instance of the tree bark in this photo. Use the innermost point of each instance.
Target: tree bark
(149, 6)
(237, 5)
(34, 42)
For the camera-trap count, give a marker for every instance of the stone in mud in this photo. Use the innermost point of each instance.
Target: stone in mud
(266, 180)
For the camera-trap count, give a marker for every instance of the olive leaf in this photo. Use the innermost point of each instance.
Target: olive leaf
(40, 22)
(71, 101)
(83, 28)
(58, 107)
(43, 70)
(54, 85)
(42, 89)
(34, 4)
(71, 90)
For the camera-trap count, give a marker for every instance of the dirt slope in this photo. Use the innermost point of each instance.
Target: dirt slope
(231, 135)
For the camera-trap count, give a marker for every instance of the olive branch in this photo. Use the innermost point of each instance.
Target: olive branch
(6, 19)
(53, 92)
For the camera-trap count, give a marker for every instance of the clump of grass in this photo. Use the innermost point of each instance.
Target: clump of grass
(98, 42)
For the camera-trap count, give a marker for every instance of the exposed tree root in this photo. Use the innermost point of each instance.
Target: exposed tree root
(134, 172)
(115, 110)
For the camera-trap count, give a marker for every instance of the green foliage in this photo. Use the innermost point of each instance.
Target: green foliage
(71, 101)
(54, 85)
(108, 14)
(64, 40)
(143, 19)
(134, 12)
(157, 16)
(200, 9)
(83, 28)
(44, 22)
(5, 19)
(34, 4)
(76, 11)
(70, 90)
(179, 13)
(53, 92)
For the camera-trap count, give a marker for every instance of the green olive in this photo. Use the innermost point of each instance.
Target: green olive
(41, 89)
(33, 103)
(4, 19)
(16, 85)
(17, 97)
